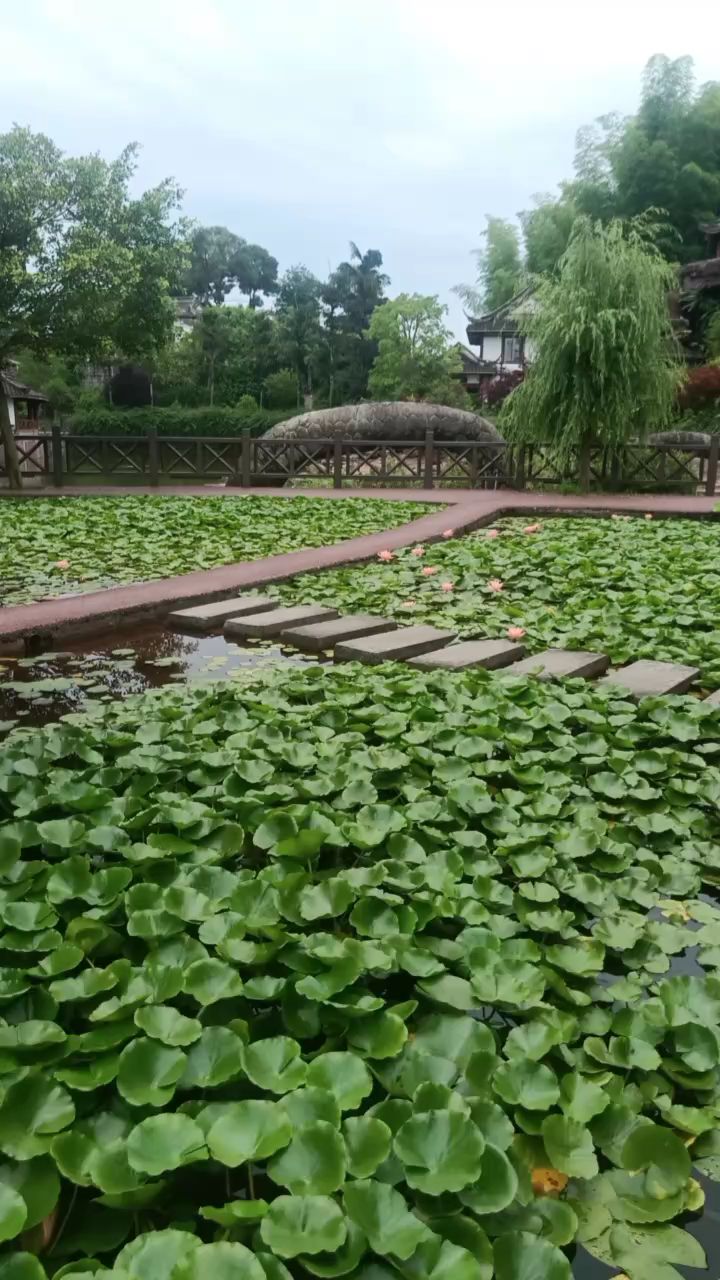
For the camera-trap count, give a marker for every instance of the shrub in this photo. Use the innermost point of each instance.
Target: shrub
(177, 421)
(281, 389)
(498, 389)
(701, 389)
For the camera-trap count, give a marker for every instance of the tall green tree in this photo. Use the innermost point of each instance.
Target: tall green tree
(298, 317)
(86, 269)
(355, 288)
(416, 357)
(221, 261)
(605, 365)
(499, 268)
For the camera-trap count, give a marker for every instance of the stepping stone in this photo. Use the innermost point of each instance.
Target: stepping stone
(644, 678)
(203, 617)
(714, 698)
(407, 642)
(554, 664)
(470, 653)
(325, 635)
(274, 621)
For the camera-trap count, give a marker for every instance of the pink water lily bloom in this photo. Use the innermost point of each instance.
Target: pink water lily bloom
(515, 633)
(448, 533)
(418, 551)
(385, 555)
(495, 584)
(62, 564)
(531, 528)
(429, 568)
(446, 586)
(492, 533)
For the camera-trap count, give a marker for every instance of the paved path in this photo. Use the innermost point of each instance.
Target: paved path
(465, 509)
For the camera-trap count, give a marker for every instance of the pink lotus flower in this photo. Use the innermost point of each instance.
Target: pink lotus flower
(429, 569)
(495, 584)
(62, 564)
(408, 604)
(448, 533)
(446, 586)
(418, 551)
(515, 633)
(492, 533)
(531, 528)
(385, 555)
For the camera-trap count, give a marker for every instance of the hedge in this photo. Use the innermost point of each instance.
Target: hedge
(175, 421)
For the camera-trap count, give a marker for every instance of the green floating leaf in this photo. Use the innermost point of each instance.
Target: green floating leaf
(303, 1224)
(383, 1215)
(662, 1155)
(21, 1266)
(440, 1151)
(221, 1261)
(32, 1111)
(342, 1074)
(275, 1064)
(314, 1163)
(13, 1212)
(213, 1059)
(164, 1142)
(527, 1084)
(251, 1130)
(148, 1072)
(155, 1254)
(367, 1143)
(520, 1255)
(163, 1023)
(569, 1146)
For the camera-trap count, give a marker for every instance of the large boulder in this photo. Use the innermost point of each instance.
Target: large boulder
(397, 420)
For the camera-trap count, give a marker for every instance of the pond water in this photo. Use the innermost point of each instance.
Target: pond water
(39, 689)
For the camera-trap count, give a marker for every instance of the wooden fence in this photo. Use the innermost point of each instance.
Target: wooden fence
(57, 459)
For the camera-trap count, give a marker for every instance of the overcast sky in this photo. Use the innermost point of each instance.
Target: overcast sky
(303, 124)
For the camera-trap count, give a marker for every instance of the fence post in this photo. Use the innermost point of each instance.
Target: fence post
(246, 459)
(57, 455)
(712, 468)
(429, 452)
(153, 456)
(337, 462)
(520, 468)
(583, 465)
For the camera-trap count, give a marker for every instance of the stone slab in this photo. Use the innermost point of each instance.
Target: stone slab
(556, 664)
(203, 617)
(714, 698)
(644, 678)
(274, 621)
(406, 642)
(470, 653)
(325, 635)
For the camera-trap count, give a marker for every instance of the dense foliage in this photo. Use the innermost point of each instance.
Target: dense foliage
(499, 268)
(52, 546)
(176, 421)
(605, 367)
(359, 973)
(701, 389)
(628, 587)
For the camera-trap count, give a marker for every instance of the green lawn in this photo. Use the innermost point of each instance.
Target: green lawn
(52, 546)
(630, 587)
(339, 972)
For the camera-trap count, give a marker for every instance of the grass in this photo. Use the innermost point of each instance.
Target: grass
(56, 546)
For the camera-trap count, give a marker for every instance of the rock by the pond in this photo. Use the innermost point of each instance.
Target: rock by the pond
(273, 622)
(316, 636)
(470, 653)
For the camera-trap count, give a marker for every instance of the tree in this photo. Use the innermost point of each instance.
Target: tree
(605, 365)
(254, 272)
(210, 275)
(546, 231)
(500, 269)
(353, 291)
(85, 270)
(415, 358)
(298, 315)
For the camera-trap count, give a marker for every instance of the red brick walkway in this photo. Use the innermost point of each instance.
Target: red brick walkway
(466, 509)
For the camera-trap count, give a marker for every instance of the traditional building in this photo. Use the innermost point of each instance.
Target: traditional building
(23, 404)
(502, 348)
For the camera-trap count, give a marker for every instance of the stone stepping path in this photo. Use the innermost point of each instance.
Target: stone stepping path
(274, 621)
(559, 664)
(203, 617)
(406, 642)
(470, 653)
(369, 639)
(644, 677)
(316, 636)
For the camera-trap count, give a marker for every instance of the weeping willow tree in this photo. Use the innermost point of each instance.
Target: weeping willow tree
(605, 365)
